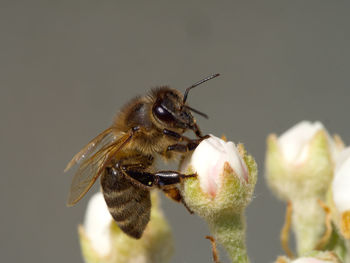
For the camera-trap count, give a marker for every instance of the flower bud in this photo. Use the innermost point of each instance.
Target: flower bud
(300, 162)
(226, 177)
(102, 241)
(223, 188)
(299, 169)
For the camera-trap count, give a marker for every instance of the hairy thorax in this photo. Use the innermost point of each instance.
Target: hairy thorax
(149, 139)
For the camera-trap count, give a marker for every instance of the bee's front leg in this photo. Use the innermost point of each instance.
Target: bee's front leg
(190, 143)
(198, 132)
(179, 137)
(182, 148)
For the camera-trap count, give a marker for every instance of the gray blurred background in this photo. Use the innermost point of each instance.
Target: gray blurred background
(66, 67)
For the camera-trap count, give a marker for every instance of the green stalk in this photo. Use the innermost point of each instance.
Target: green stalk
(347, 256)
(229, 230)
(308, 223)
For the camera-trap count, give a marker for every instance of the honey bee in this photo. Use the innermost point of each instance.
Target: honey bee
(123, 155)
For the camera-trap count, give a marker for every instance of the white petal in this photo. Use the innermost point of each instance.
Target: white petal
(294, 141)
(341, 182)
(342, 157)
(97, 224)
(236, 162)
(207, 162)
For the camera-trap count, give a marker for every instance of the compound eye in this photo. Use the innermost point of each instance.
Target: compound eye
(162, 113)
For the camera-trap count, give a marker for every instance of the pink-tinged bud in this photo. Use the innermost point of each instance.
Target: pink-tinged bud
(222, 190)
(209, 160)
(226, 177)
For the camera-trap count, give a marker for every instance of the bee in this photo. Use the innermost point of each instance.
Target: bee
(123, 156)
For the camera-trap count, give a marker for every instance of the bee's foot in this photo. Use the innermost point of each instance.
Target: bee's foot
(184, 176)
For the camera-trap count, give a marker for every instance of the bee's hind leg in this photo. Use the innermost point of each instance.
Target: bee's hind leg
(165, 180)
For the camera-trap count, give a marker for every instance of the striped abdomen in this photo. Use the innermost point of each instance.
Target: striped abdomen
(129, 204)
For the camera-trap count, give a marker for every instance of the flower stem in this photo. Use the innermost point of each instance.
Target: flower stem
(308, 223)
(347, 256)
(229, 231)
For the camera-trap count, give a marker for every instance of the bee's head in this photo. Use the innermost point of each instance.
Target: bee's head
(171, 110)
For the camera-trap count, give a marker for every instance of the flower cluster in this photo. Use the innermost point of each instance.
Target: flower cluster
(223, 188)
(311, 170)
(305, 167)
(299, 169)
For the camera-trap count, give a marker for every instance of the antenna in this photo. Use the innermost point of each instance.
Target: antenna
(197, 84)
(197, 111)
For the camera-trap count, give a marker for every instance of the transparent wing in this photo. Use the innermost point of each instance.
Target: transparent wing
(105, 138)
(90, 169)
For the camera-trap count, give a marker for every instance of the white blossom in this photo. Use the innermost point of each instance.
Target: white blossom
(295, 142)
(208, 161)
(341, 181)
(97, 224)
